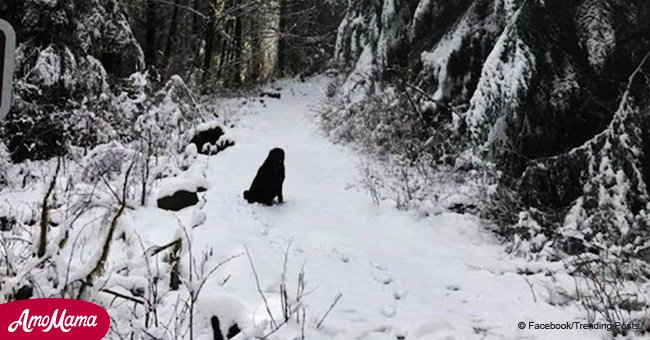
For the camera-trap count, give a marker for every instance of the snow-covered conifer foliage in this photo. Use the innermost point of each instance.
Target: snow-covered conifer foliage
(542, 89)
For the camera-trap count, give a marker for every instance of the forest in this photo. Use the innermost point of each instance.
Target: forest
(444, 169)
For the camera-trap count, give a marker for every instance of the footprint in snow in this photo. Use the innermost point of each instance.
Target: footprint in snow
(381, 276)
(264, 230)
(383, 279)
(399, 294)
(388, 311)
(338, 254)
(378, 266)
(454, 288)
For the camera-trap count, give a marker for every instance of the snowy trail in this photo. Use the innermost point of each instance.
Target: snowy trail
(440, 277)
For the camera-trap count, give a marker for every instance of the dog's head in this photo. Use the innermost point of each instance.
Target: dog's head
(276, 156)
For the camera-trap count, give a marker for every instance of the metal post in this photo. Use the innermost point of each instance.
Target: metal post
(7, 51)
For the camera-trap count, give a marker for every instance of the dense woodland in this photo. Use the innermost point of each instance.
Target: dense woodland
(74, 57)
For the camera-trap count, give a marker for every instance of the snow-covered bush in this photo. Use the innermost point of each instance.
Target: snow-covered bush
(106, 160)
(169, 115)
(528, 238)
(392, 120)
(416, 155)
(81, 242)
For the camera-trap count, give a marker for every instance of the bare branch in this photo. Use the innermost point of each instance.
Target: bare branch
(338, 297)
(259, 288)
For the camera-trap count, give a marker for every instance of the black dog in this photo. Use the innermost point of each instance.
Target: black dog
(269, 179)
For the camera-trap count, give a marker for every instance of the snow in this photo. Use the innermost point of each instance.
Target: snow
(510, 6)
(191, 180)
(50, 3)
(504, 78)
(47, 69)
(436, 61)
(354, 86)
(424, 274)
(424, 7)
(611, 183)
(596, 31)
(105, 160)
(472, 23)
(389, 33)
(439, 277)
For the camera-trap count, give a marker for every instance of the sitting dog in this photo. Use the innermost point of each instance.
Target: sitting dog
(267, 184)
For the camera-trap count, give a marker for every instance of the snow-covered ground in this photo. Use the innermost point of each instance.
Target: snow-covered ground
(440, 277)
(398, 274)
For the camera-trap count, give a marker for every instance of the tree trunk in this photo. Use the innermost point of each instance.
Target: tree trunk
(195, 18)
(210, 31)
(284, 9)
(237, 52)
(173, 29)
(150, 35)
(225, 43)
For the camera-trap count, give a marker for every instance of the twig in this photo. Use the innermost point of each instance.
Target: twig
(277, 328)
(429, 98)
(200, 287)
(45, 212)
(530, 285)
(116, 294)
(193, 294)
(638, 69)
(99, 266)
(259, 288)
(158, 249)
(304, 322)
(284, 297)
(338, 297)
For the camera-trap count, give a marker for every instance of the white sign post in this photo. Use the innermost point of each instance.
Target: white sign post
(7, 50)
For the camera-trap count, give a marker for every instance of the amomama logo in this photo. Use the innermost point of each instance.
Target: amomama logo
(53, 319)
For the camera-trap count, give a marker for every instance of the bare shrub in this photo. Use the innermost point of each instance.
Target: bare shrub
(608, 291)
